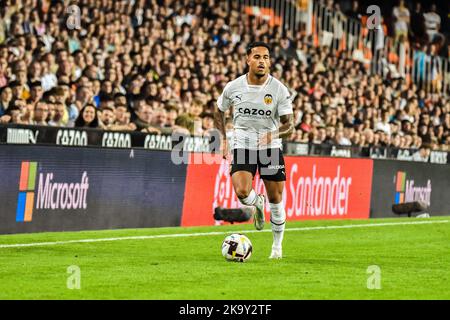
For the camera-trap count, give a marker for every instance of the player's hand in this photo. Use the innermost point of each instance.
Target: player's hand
(225, 150)
(265, 139)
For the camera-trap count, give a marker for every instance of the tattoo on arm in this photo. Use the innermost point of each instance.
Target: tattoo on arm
(219, 122)
(287, 126)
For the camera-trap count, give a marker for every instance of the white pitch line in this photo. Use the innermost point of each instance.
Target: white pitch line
(179, 235)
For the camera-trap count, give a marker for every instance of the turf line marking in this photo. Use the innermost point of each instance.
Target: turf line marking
(181, 235)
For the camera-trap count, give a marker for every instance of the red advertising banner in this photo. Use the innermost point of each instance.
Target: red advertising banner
(316, 188)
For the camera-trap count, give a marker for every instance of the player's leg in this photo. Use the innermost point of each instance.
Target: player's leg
(272, 171)
(243, 169)
(274, 191)
(242, 184)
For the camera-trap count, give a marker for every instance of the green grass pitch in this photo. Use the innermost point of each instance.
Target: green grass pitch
(320, 263)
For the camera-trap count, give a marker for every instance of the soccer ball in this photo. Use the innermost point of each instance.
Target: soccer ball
(237, 247)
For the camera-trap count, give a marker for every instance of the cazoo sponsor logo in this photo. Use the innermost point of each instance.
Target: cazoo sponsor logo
(116, 140)
(70, 137)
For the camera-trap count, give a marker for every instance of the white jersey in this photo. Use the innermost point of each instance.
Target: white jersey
(257, 110)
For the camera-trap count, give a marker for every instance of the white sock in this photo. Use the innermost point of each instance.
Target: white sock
(250, 200)
(278, 222)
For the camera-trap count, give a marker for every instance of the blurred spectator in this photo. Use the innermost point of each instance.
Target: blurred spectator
(172, 114)
(122, 120)
(341, 139)
(144, 118)
(15, 115)
(418, 23)
(423, 154)
(41, 113)
(108, 116)
(354, 12)
(186, 122)
(36, 92)
(383, 124)
(159, 121)
(417, 142)
(395, 141)
(5, 99)
(432, 22)
(60, 116)
(88, 118)
(305, 125)
(401, 20)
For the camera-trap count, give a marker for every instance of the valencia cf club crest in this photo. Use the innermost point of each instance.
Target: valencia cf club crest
(268, 99)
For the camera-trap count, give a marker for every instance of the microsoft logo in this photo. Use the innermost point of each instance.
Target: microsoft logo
(27, 185)
(41, 192)
(409, 191)
(400, 187)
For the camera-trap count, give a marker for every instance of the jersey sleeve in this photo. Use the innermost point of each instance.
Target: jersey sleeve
(284, 102)
(224, 101)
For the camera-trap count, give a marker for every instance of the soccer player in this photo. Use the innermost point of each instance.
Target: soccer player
(262, 116)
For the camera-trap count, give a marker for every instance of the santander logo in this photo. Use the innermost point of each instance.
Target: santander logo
(317, 195)
(316, 191)
(315, 188)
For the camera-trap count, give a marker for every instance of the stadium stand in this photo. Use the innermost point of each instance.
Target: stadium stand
(159, 66)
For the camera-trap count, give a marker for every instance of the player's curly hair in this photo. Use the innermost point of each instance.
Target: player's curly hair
(257, 44)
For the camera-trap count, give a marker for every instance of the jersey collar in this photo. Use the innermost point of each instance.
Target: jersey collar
(247, 85)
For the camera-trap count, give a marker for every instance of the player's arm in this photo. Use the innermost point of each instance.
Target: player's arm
(223, 104)
(285, 110)
(219, 122)
(286, 128)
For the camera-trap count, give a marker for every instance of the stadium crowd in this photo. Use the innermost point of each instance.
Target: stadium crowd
(423, 24)
(159, 67)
